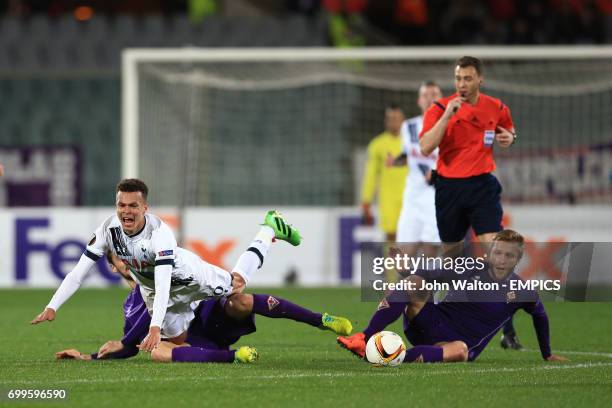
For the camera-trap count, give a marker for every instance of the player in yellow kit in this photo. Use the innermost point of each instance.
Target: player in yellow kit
(387, 181)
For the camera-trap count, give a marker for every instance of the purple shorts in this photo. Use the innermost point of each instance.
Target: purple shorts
(210, 329)
(213, 329)
(431, 326)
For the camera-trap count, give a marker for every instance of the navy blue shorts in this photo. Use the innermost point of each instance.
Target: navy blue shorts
(465, 202)
(213, 329)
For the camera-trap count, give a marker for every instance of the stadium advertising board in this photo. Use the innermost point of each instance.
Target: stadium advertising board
(44, 244)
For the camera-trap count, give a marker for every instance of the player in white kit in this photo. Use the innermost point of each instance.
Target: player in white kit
(170, 277)
(417, 222)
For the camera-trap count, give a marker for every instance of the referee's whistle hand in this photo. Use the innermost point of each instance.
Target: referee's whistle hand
(504, 137)
(453, 106)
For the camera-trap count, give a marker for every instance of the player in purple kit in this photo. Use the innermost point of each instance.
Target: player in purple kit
(460, 327)
(218, 324)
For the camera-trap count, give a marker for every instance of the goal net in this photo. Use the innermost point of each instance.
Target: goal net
(288, 127)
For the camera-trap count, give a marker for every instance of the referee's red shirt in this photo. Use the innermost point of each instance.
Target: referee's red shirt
(466, 149)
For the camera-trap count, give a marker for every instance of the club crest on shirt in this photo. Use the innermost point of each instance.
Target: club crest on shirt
(510, 297)
(384, 304)
(272, 302)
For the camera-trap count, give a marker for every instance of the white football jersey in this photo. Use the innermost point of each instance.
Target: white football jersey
(153, 245)
(191, 278)
(418, 164)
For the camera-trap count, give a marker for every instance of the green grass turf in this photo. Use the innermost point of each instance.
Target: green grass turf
(299, 365)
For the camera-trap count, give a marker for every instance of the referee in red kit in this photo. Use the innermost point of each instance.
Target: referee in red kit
(465, 127)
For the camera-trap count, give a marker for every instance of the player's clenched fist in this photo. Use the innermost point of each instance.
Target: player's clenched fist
(47, 315)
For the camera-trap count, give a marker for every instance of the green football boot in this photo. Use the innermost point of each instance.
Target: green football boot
(282, 230)
(338, 324)
(246, 355)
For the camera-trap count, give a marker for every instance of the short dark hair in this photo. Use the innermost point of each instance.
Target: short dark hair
(133, 185)
(393, 106)
(467, 61)
(430, 82)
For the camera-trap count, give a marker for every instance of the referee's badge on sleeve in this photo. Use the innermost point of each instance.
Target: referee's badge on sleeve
(489, 136)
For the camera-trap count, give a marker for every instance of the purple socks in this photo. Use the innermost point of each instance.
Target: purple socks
(424, 354)
(386, 314)
(202, 355)
(279, 308)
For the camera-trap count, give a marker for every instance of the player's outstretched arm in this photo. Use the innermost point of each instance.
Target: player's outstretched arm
(47, 315)
(542, 328)
(69, 285)
(72, 354)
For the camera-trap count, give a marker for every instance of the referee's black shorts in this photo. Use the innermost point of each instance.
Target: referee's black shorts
(464, 202)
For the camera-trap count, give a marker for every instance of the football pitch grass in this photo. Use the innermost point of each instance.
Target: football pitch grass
(298, 365)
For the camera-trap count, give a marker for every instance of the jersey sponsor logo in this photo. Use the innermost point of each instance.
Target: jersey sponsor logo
(118, 242)
(489, 136)
(272, 302)
(165, 253)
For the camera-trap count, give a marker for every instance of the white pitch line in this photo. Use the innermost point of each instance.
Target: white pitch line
(391, 373)
(578, 353)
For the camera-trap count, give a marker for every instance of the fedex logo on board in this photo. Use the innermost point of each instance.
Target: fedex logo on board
(66, 251)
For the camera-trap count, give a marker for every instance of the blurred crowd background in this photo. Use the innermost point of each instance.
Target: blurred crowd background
(339, 22)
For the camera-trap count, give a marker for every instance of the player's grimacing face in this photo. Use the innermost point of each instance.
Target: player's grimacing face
(503, 258)
(131, 209)
(467, 81)
(427, 96)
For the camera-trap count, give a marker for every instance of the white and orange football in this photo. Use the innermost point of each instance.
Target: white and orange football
(385, 348)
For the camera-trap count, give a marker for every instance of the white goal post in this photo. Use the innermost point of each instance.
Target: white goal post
(571, 76)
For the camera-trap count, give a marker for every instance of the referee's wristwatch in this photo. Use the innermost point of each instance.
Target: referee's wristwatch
(514, 137)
